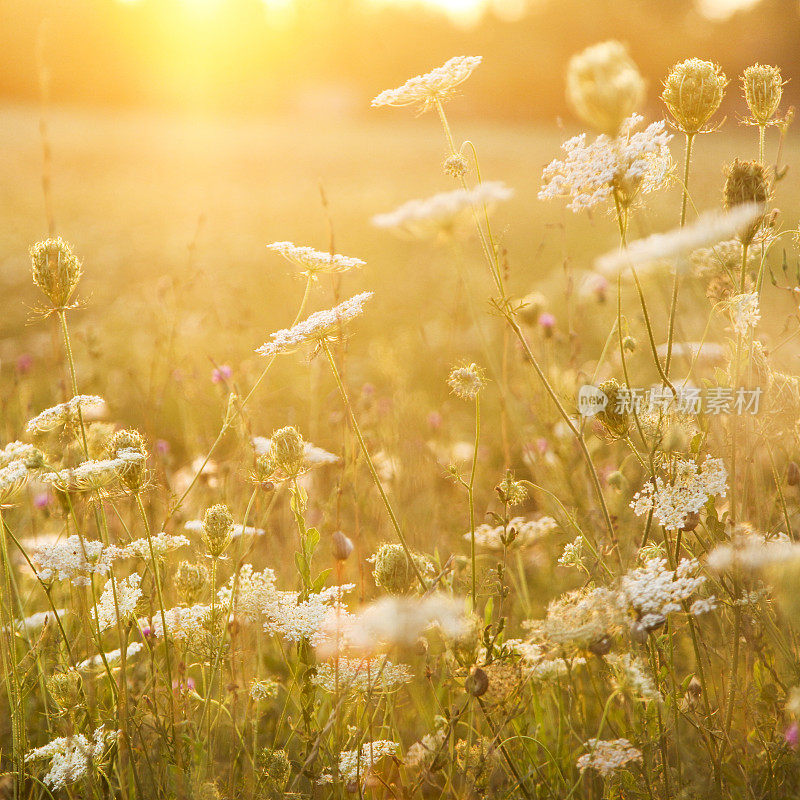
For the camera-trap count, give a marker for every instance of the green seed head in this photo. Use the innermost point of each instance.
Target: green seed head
(763, 87)
(217, 529)
(693, 92)
(56, 270)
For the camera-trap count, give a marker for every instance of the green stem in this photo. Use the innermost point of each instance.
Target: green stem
(471, 492)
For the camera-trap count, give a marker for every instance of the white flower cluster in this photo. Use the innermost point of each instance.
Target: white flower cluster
(95, 474)
(528, 532)
(112, 657)
(70, 558)
(248, 594)
(655, 590)
(749, 551)
(71, 756)
(64, 413)
(441, 212)
(13, 467)
(582, 617)
(685, 493)
(296, 619)
(631, 675)
(38, 620)
(313, 262)
(128, 593)
(162, 543)
(744, 312)
(607, 756)
(437, 85)
(630, 164)
(357, 764)
(184, 624)
(421, 754)
(320, 325)
(313, 456)
(373, 675)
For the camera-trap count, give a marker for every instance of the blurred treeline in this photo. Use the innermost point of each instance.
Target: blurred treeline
(241, 56)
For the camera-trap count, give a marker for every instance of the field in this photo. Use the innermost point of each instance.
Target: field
(474, 589)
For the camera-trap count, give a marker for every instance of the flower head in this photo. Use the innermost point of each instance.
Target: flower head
(467, 381)
(763, 87)
(607, 756)
(56, 270)
(313, 263)
(692, 93)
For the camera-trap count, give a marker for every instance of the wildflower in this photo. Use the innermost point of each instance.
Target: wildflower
(93, 475)
(111, 657)
(763, 87)
(547, 322)
(217, 529)
(129, 446)
(455, 165)
(297, 619)
(161, 544)
(314, 263)
(221, 374)
(56, 270)
(312, 456)
(604, 87)
(792, 735)
(511, 492)
(519, 532)
(709, 228)
(196, 526)
(65, 413)
(319, 327)
(692, 93)
(71, 756)
(425, 91)
(467, 381)
(582, 617)
(186, 625)
(442, 213)
(362, 675)
(38, 620)
(190, 580)
(608, 756)
(118, 601)
(624, 167)
(704, 606)
(751, 551)
(263, 690)
(69, 558)
(686, 492)
(422, 754)
(249, 594)
(65, 688)
(631, 675)
(654, 590)
(708, 353)
(747, 182)
(744, 312)
(572, 554)
(393, 569)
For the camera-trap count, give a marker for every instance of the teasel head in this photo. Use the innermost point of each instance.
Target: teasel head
(616, 423)
(763, 88)
(65, 689)
(604, 86)
(190, 580)
(747, 182)
(692, 94)
(217, 529)
(56, 271)
(287, 451)
(134, 473)
(466, 382)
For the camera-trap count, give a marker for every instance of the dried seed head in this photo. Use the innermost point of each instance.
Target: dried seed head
(477, 682)
(747, 182)
(341, 546)
(455, 165)
(511, 492)
(276, 765)
(615, 422)
(286, 450)
(604, 87)
(65, 689)
(393, 570)
(217, 529)
(692, 93)
(763, 87)
(98, 438)
(133, 473)
(190, 580)
(56, 270)
(466, 382)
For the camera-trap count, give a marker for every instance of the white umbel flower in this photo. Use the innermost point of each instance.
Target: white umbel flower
(744, 311)
(435, 86)
(607, 756)
(357, 764)
(64, 413)
(112, 657)
(319, 326)
(528, 532)
(312, 262)
(74, 559)
(362, 675)
(313, 456)
(127, 594)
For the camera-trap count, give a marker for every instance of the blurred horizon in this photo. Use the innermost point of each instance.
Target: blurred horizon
(328, 58)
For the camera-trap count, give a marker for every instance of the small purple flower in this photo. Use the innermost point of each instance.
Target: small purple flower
(221, 374)
(146, 632)
(547, 322)
(42, 499)
(792, 735)
(162, 446)
(24, 363)
(435, 420)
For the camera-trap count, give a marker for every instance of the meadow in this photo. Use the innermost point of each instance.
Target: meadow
(387, 556)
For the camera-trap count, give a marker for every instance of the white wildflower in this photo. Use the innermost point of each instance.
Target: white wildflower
(112, 657)
(297, 620)
(704, 606)
(319, 326)
(572, 555)
(95, 474)
(355, 764)
(686, 492)
(365, 675)
(70, 558)
(312, 262)
(184, 624)
(583, 617)
(64, 413)
(249, 594)
(744, 312)
(162, 543)
(607, 756)
(702, 352)
(632, 676)
(749, 551)
(435, 86)
(528, 532)
(313, 456)
(39, 619)
(127, 593)
(422, 754)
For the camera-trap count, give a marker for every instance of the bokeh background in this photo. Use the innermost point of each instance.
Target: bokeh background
(171, 140)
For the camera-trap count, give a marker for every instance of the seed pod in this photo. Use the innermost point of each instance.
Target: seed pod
(341, 546)
(763, 87)
(693, 92)
(190, 580)
(638, 632)
(747, 182)
(477, 682)
(287, 450)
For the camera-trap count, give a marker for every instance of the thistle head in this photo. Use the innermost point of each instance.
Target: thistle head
(287, 450)
(604, 86)
(467, 381)
(693, 92)
(56, 270)
(190, 580)
(217, 529)
(747, 182)
(763, 87)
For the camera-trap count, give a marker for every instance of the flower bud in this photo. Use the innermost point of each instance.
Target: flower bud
(602, 646)
(133, 473)
(747, 182)
(763, 87)
(455, 165)
(615, 422)
(477, 682)
(341, 546)
(394, 571)
(56, 270)
(692, 93)
(65, 689)
(604, 86)
(190, 580)
(287, 450)
(793, 474)
(217, 529)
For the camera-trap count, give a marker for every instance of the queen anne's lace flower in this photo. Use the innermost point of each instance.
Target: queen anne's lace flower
(184, 624)
(314, 262)
(442, 213)
(319, 326)
(313, 456)
(65, 413)
(744, 312)
(70, 558)
(528, 532)
(127, 595)
(112, 657)
(95, 474)
(248, 594)
(355, 765)
(685, 493)
(374, 675)
(432, 87)
(71, 756)
(629, 165)
(162, 543)
(750, 551)
(607, 756)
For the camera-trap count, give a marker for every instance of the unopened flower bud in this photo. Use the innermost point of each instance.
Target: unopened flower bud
(617, 480)
(341, 546)
(393, 570)
(763, 87)
(56, 270)
(614, 421)
(692, 93)
(190, 580)
(217, 529)
(630, 344)
(747, 182)
(65, 688)
(477, 682)
(287, 450)
(133, 473)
